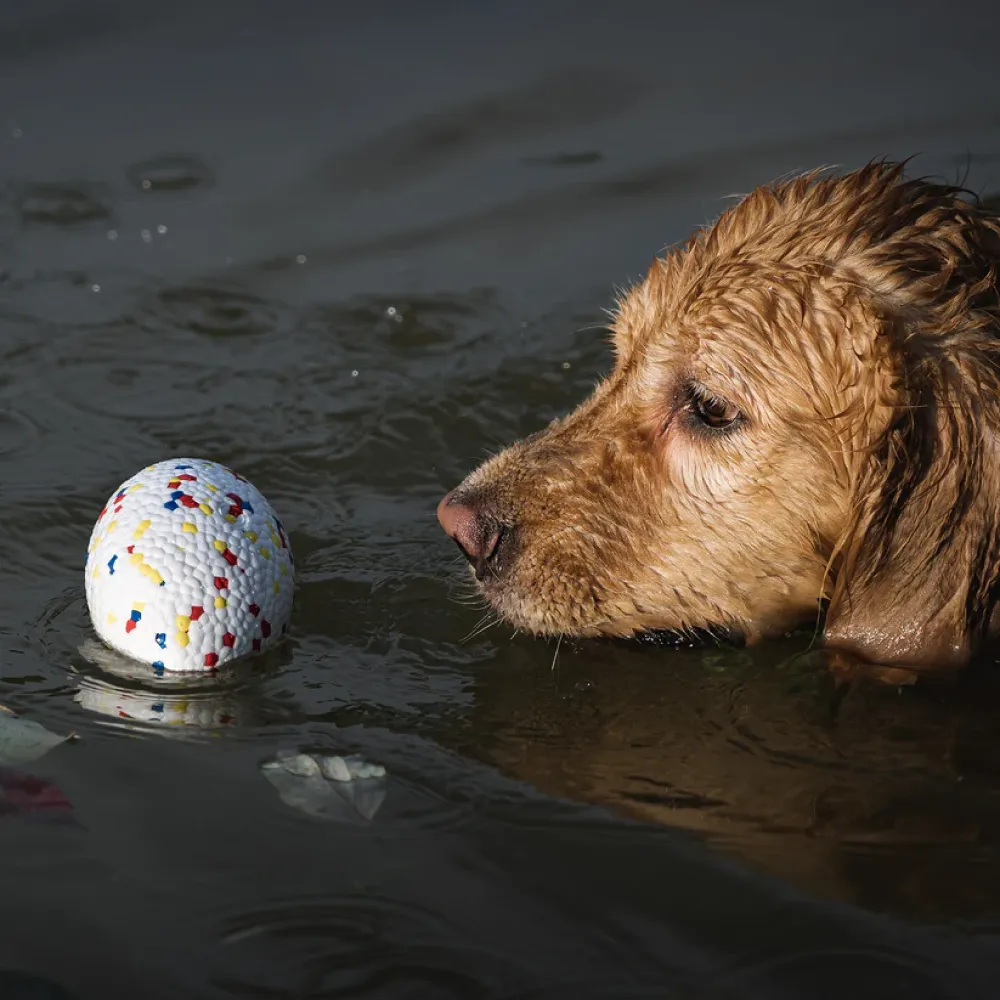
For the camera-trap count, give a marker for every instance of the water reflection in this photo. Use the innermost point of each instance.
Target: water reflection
(884, 796)
(133, 693)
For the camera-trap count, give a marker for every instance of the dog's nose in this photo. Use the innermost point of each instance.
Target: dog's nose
(469, 523)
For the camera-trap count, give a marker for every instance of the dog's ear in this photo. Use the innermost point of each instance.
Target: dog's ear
(919, 566)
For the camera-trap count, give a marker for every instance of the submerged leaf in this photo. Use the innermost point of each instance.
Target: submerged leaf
(22, 740)
(328, 786)
(24, 795)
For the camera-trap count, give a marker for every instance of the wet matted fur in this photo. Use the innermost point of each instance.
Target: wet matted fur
(803, 411)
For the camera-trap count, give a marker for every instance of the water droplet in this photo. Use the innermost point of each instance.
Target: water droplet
(95, 288)
(354, 373)
(161, 228)
(565, 364)
(112, 234)
(300, 258)
(147, 236)
(16, 133)
(391, 311)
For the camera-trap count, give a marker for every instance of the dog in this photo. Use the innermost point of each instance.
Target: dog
(801, 424)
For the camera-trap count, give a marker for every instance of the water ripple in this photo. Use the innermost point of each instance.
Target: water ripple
(216, 311)
(17, 431)
(354, 945)
(63, 204)
(170, 174)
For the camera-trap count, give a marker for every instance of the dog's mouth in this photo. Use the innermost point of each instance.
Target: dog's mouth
(550, 578)
(527, 607)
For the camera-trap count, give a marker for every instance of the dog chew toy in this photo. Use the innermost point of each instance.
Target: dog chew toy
(188, 568)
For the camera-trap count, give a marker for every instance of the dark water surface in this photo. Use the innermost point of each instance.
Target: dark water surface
(348, 250)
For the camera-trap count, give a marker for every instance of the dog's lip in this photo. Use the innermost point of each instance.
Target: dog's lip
(480, 565)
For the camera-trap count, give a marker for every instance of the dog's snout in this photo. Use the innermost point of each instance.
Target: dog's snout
(469, 521)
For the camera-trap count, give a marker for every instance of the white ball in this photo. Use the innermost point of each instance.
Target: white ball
(188, 568)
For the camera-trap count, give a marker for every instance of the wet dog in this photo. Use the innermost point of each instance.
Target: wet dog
(802, 418)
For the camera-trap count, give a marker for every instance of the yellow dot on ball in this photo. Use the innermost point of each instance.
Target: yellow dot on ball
(111, 618)
(220, 545)
(265, 552)
(204, 508)
(181, 639)
(190, 527)
(183, 623)
(209, 486)
(220, 602)
(252, 535)
(142, 528)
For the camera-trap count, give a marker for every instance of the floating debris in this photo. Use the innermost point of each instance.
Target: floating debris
(327, 786)
(22, 741)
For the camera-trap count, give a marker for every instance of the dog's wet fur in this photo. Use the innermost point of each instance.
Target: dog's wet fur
(802, 414)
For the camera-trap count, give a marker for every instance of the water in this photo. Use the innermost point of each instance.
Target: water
(350, 251)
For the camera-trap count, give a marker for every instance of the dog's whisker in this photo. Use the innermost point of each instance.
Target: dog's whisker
(488, 621)
(555, 657)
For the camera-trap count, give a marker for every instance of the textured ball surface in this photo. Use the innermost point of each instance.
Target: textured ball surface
(188, 567)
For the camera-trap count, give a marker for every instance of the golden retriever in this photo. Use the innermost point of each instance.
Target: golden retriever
(802, 417)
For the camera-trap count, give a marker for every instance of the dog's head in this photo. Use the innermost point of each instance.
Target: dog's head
(804, 408)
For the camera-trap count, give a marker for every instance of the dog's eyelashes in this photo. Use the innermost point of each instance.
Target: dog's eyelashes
(712, 411)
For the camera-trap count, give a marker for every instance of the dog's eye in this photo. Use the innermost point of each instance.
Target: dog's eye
(713, 411)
